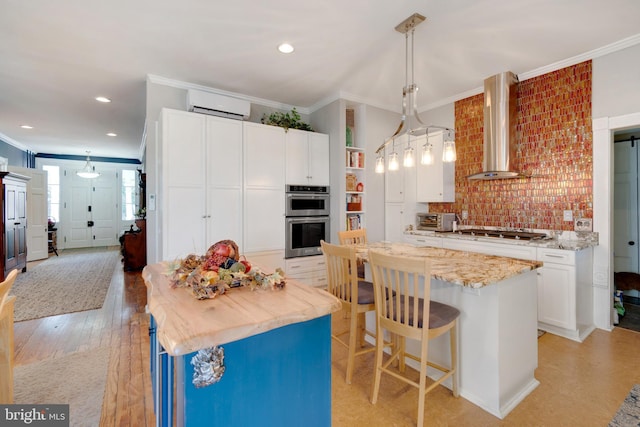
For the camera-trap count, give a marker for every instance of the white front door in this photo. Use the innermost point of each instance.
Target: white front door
(92, 211)
(104, 210)
(79, 233)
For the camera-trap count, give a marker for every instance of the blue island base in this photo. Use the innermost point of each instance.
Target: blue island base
(279, 378)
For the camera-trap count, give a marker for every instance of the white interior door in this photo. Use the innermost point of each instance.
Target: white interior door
(37, 246)
(625, 208)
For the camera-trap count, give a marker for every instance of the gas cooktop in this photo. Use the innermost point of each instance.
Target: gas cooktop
(501, 234)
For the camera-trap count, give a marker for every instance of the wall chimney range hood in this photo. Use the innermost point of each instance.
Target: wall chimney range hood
(499, 147)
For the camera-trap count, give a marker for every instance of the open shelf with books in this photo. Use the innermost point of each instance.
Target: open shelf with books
(355, 163)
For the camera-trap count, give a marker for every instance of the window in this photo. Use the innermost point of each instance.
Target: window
(129, 185)
(53, 191)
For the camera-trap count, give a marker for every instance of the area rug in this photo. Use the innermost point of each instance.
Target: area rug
(629, 412)
(77, 379)
(77, 280)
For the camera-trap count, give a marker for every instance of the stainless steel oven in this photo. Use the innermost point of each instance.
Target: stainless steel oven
(307, 220)
(304, 234)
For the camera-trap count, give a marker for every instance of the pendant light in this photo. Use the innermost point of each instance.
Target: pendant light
(411, 124)
(88, 171)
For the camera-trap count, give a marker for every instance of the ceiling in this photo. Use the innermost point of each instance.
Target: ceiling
(56, 57)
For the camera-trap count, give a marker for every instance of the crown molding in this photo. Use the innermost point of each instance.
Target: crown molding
(15, 143)
(592, 54)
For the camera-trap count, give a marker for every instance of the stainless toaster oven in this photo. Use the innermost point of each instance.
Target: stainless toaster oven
(435, 221)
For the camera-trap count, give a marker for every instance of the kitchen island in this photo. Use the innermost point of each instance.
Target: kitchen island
(497, 328)
(277, 354)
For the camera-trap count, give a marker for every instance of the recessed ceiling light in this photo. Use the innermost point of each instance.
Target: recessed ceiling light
(26, 127)
(112, 134)
(102, 99)
(285, 48)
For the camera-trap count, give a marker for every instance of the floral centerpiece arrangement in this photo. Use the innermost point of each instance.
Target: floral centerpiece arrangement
(219, 270)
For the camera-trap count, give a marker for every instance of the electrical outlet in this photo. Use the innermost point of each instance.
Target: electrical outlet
(582, 224)
(568, 215)
(465, 215)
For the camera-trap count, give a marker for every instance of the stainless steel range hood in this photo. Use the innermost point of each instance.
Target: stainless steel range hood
(500, 102)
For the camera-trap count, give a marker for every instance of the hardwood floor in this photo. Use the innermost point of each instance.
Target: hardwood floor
(580, 384)
(122, 326)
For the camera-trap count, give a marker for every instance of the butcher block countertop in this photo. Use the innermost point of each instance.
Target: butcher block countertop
(185, 324)
(468, 269)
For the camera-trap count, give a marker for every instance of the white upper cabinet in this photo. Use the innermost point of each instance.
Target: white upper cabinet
(436, 182)
(307, 158)
(264, 155)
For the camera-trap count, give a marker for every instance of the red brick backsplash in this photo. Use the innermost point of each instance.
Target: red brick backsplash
(554, 147)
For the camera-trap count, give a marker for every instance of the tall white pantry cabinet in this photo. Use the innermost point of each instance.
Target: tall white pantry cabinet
(220, 179)
(199, 182)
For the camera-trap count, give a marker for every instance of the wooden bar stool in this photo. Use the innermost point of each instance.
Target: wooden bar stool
(354, 237)
(356, 296)
(408, 316)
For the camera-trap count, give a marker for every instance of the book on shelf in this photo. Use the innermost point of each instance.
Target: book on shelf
(354, 222)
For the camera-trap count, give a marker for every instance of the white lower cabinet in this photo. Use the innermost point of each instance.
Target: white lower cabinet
(309, 270)
(267, 261)
(565, 290)
(418, 240)
(490, 248)
(565, 293)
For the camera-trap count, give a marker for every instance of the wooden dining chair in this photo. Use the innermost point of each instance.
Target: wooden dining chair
(356, 296)
(6, 338)
(406, 316)
(6, 285)
(354, 237)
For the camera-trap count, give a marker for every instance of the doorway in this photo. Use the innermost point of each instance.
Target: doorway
(626, 228)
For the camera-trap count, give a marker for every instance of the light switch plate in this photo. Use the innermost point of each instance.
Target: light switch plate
(568, 215)
(582, 224)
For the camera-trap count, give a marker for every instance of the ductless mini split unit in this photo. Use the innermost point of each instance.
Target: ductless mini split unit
(218, 105)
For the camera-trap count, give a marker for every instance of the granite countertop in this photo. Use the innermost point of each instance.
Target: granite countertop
(468, 269)
(185, 324)
(572, 241)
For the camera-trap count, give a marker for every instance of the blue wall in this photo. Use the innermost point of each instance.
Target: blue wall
(17, 157)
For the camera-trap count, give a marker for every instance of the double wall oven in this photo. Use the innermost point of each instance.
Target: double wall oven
(307, 219)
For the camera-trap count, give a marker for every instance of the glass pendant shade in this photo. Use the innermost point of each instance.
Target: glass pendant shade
(427, 154)
(408, 160)
(449, 152)
(88, 171)
(379, 164)
(393, 161)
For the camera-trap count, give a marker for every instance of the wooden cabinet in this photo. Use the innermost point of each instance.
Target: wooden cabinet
(14, 233)
(307, 158)
(200, 171)
(565, 294)
(436, 182)
(134, 247)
